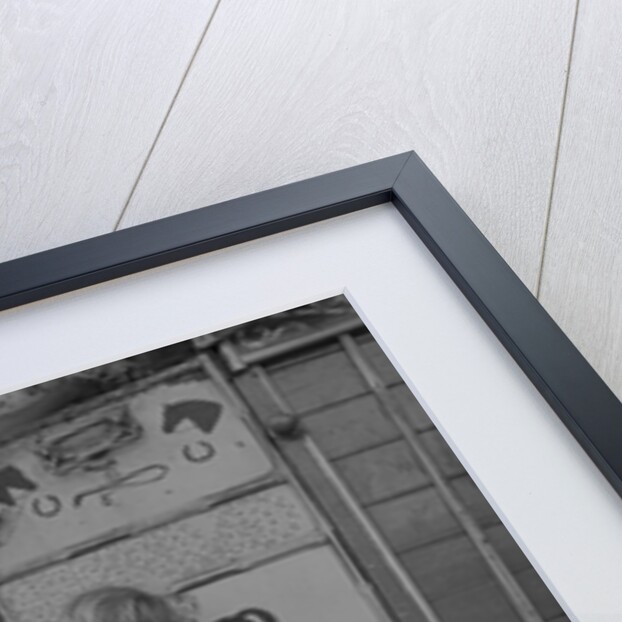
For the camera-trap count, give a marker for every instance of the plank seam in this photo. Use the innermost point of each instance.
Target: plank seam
(547, 218)
(167, 114)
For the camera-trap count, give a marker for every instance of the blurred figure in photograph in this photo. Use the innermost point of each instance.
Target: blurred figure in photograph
(127, 604)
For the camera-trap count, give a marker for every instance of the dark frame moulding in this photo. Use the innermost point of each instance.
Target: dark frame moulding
(581, 399)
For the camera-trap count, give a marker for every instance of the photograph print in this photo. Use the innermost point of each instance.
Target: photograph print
(277, 471)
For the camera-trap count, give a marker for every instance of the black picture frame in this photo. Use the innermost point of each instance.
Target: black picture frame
(572, 388)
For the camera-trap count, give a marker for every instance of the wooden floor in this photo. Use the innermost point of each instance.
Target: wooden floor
(113, 114)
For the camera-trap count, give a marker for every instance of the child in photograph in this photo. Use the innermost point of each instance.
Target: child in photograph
(121, 604)
(127, 604)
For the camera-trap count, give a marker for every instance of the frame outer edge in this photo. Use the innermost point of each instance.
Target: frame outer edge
(573, 389)
(150, 245)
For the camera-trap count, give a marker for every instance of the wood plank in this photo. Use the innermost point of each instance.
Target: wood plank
(379, 362)
(413, 519)
(279, 93)
(441, 453)
(410, 406)
(446, 567)
(319, 382)
(539, 594)
(382, 472)
(507, 548)
(482, 604)
(582, 268)
(256, 397)
(350, 427)
(299, 357)
(84, 89)
(474, 501)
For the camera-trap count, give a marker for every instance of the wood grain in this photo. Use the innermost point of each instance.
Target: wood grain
(280, 92)
(435, 569)
(507, 548)
(381, 473)
(485, 603)
(413, 519)
(412, 409)
(582, 273)
(350, 427)
(84, 87)
(543, 600)
(474, 501)
(333, 379)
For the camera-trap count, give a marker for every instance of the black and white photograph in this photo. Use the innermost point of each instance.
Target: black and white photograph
(277, 471)
(310, 311)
